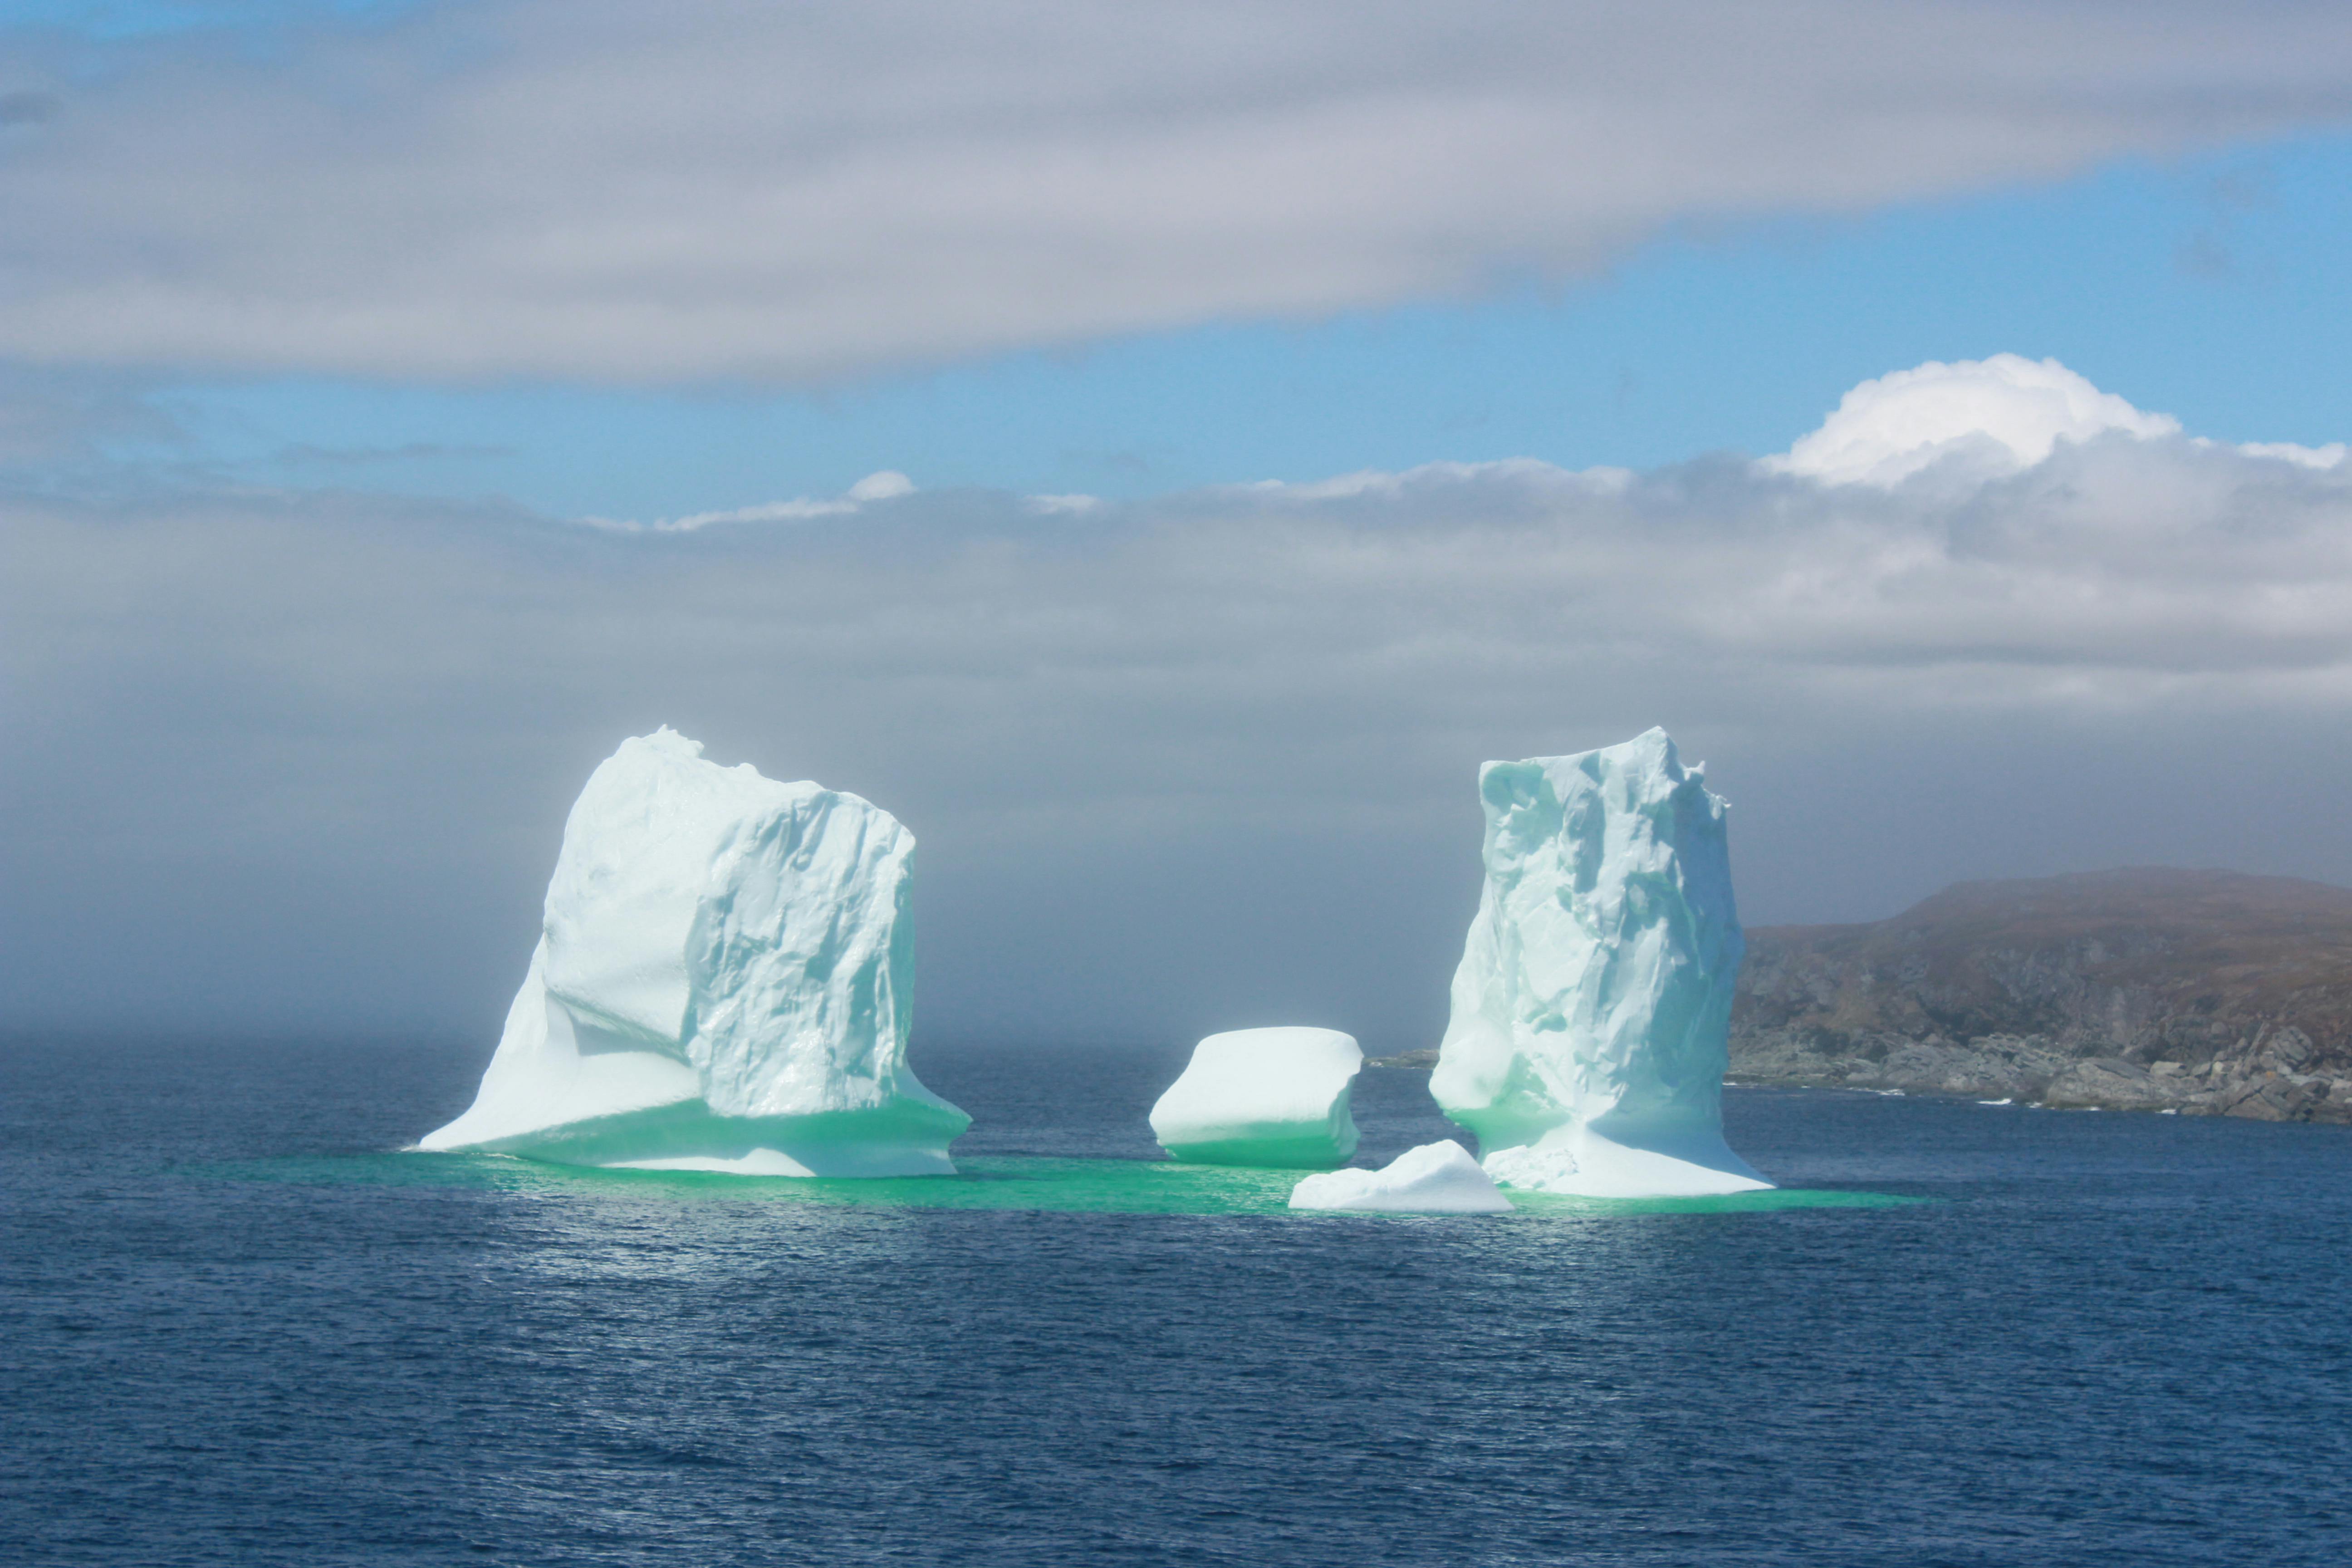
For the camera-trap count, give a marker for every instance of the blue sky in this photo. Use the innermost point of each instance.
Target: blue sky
(2206, 286)
(111, 20)
(2201, 282)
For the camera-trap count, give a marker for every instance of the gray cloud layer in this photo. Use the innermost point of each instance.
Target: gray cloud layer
(717, 188)
(1200, 762)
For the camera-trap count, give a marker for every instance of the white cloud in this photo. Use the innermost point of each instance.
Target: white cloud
(2302, 456)
(1998, 414)
(1063, 505)
(1217, 746)
(888, 485)
(1437, 477)
(1988, 419)
(885, 486)
(717, 188)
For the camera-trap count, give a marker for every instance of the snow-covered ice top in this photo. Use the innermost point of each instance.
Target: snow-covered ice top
(723, 982)
(1436, 1178)
(1262, 1097)
(1591, 1008)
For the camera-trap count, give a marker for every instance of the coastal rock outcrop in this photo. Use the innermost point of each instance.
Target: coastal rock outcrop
(2205, 993)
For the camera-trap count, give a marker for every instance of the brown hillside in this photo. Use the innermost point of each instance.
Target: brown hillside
(2208, 977)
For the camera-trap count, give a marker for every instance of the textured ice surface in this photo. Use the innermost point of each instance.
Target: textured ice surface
(1436, 1178)
(1262, 1097)
(1587, 1044)
(722, 984)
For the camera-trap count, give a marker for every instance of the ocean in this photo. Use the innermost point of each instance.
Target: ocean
(238, 1327)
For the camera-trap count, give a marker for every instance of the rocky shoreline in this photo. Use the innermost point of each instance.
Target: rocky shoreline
(2264, 1082)
(2264, 1085)
(2202, 992)
(2195, 992)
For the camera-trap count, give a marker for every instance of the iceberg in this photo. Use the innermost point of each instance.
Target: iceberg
(1262, 1097)
(1590, 1012)
(722, 983)
(1436, 1178)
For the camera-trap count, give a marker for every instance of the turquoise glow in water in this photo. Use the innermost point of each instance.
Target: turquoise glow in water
(1040, 1183)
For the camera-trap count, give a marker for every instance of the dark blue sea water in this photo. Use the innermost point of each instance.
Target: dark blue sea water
(236, 1329)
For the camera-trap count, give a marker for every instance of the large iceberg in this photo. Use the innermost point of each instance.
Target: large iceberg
(1436, 1178)
(723, 984)
(1587, 1044)
(1262, 1097)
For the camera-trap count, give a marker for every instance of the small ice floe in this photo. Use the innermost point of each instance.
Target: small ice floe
(1436, 1178)
(1262, 1097)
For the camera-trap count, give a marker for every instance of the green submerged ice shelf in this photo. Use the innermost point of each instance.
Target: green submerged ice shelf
(1033, 1182)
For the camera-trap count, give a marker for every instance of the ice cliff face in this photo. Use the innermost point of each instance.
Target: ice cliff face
(723, 984)
(1586, 1047)
(1262, 1097)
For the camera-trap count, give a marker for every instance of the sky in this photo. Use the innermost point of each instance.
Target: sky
(1158, 452)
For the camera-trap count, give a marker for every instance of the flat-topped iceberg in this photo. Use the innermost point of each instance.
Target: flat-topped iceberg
(1262, 1097)
(1436, 1178)
(1588, 1040)
(723, 984)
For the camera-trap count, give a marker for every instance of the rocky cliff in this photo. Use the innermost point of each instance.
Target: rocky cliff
(2205, 993)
